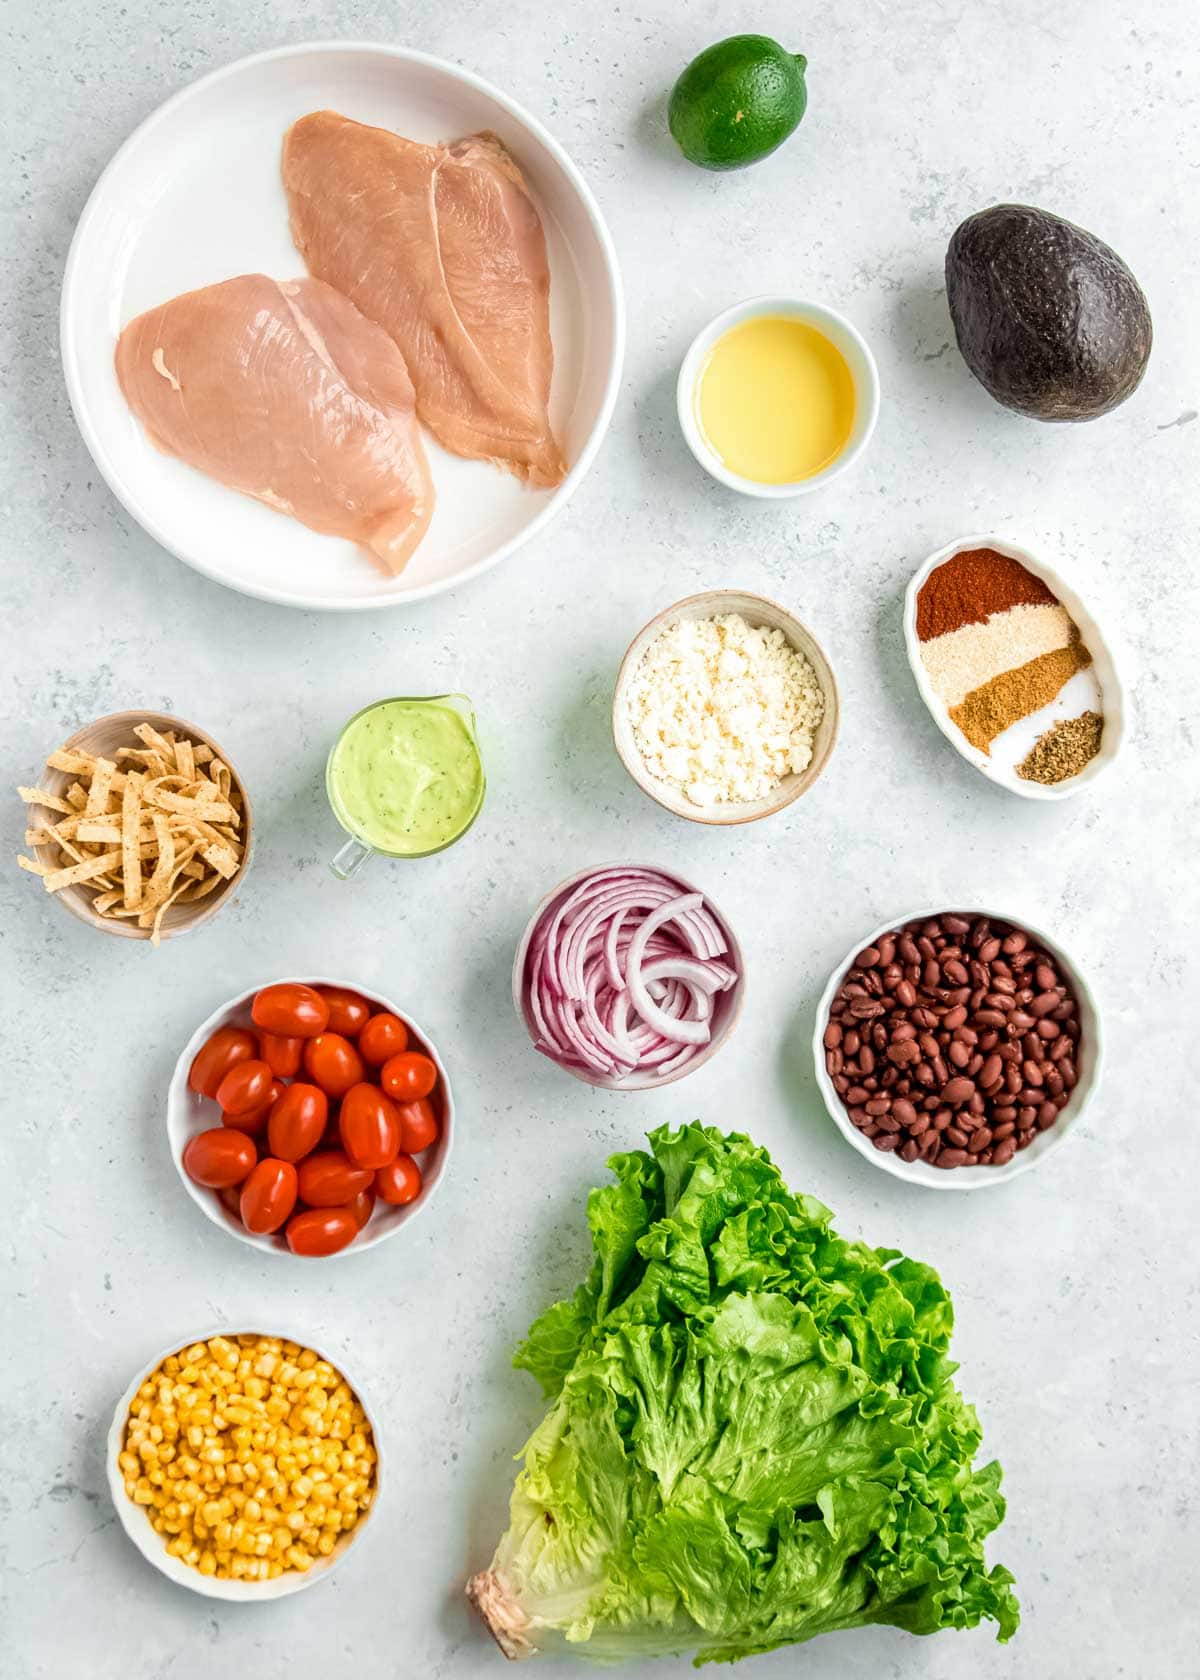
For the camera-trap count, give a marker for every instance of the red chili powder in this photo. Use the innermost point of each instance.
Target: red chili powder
(971, 586)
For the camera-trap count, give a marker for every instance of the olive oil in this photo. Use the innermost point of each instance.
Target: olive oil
(775, 400)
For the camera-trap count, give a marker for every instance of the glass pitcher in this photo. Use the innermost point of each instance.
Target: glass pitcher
(405, 778)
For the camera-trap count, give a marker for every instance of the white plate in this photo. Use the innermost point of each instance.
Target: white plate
(153, 1546)
(1091, 1062)
(195, 196)
(188, 1113)
(1010, 748)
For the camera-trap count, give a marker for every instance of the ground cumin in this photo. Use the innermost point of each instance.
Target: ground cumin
(971, 586)
(988, 711)
(1063, 750)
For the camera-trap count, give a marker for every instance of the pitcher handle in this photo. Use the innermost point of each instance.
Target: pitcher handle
(350, 859)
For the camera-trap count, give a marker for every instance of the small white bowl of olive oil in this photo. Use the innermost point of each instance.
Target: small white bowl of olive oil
(777, 396)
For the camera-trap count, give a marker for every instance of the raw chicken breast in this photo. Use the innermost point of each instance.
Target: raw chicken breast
(282, 390)
(443, 247)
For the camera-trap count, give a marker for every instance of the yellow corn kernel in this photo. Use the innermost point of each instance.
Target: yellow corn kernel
(207, 1564)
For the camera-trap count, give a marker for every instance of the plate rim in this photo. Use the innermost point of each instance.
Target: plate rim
(70, 354)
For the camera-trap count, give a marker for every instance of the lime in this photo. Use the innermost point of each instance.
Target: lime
(737, 102)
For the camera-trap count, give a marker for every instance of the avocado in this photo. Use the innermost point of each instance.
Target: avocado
(1048, 318)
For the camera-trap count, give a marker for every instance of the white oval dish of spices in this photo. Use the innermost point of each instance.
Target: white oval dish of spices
(1097, 686)
(760, 613)
(134, 1519)
(1091, 1062)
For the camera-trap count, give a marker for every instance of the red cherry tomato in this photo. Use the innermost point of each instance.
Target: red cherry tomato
(348, 1012)
(282, 1055)
(383, 1036)
(268, 1196)
(245, 1087)
(290, 1011)
(333, 1063)
(230, 1199)
(363, 1205)
(254, 1123)
(418, 1126)
(224, 1050)
(399, 1181)
(331, 1179)
(408, 1076)
(369, 1126)
(321, 1230)
(297, 1121)
(219, 1157)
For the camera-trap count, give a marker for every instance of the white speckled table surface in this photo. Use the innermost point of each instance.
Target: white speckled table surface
(1075, 1287)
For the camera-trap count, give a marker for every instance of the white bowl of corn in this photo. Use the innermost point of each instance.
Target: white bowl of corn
(243, 1465)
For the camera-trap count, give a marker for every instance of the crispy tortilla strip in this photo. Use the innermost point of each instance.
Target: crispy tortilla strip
(156, 931)
(200, 889)
(223, 860)
(185, 760)
(78, 796)
(206, 809)
(82, 764)
(174, 886)
(107, 830)
(150, 736)
(39, 837)
(88, 870)
(74, 763)
(39, 796)
(102, 780)
(159, 884)
(216, 836)
(131, 870)
(202, 754)
(43, 869)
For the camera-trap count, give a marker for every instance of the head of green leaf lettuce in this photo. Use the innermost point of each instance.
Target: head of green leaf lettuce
(753, 1435)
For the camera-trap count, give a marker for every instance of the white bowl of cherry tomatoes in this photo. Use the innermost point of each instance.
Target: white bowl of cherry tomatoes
(310, 1118)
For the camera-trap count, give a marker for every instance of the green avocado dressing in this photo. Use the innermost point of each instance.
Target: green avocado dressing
(406, 776)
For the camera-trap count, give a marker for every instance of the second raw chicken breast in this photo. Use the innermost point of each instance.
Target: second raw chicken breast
(283, 390)
(443, 247)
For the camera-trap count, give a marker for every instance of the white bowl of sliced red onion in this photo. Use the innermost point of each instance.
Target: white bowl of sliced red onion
(628, 977)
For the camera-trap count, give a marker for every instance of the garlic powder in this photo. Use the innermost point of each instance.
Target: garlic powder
(723, 710)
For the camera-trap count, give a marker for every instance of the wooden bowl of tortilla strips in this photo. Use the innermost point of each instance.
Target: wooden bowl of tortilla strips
(140, 826)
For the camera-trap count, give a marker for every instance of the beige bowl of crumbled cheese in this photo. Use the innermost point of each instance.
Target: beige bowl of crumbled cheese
(725, 709)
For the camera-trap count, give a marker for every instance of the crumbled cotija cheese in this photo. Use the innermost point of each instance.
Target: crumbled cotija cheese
(723, 710)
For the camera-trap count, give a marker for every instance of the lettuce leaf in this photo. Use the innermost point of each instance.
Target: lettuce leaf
(753, 1435)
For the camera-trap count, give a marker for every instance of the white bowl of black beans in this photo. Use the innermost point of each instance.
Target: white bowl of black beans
(957, 1048)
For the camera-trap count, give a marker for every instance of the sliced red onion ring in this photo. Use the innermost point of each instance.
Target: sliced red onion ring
(621, 973)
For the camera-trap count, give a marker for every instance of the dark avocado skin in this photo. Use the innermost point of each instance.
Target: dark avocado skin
(1047, 317)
